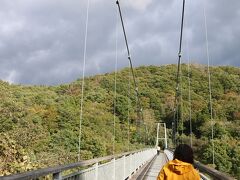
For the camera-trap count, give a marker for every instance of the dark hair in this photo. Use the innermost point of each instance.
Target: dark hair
(184, 153)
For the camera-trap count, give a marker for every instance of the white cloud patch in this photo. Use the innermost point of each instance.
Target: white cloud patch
(11, 77)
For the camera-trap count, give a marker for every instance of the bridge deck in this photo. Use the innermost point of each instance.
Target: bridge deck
(154, 168)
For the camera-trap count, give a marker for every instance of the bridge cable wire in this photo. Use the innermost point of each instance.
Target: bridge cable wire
(209, 81)
(83, 78)
(115, 86)
(139, 112)
(129, 103)
(176, 105)
(187, 24)
(189, 92)
(181, 106)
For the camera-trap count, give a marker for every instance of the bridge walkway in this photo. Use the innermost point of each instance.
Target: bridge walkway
(151, 171)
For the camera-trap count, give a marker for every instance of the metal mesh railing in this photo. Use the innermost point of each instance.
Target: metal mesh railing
(117, 169)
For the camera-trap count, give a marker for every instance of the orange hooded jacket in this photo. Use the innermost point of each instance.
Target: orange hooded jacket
(178, 170)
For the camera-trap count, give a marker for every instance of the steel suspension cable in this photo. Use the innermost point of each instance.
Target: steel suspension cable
(115, 87)
(189, 93)
(209, 82)
(178, 91)
(189, 83)
(140, 114)
(115, 98)
(181, 104)
(83, 78)
(129, 95)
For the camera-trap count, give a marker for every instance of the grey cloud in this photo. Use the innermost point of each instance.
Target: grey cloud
(42, 42)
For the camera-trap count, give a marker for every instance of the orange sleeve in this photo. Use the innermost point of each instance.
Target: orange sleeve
(196, 174)
(161, 175)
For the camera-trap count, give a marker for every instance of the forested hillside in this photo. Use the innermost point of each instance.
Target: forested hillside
(40, 124)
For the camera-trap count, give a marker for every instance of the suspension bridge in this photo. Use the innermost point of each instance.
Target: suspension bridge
(141, 164)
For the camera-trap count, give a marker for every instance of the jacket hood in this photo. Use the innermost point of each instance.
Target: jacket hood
(179, 167)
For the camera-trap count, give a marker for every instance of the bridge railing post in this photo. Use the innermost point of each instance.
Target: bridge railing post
(124, 167)
(57, 176)
(96, 171)
(131, 162)
(114, 169)
(134, 162)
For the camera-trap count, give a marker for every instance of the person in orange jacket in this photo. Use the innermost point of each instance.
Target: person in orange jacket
(181, 167)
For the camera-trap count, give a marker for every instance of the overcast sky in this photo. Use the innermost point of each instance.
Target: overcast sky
(42, 41)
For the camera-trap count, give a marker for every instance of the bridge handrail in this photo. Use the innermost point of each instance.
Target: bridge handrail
(57, 169)
(212, 172)
(169, 154)
(203, 168)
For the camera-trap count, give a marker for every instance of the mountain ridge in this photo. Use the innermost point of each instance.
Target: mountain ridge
(41, 122)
